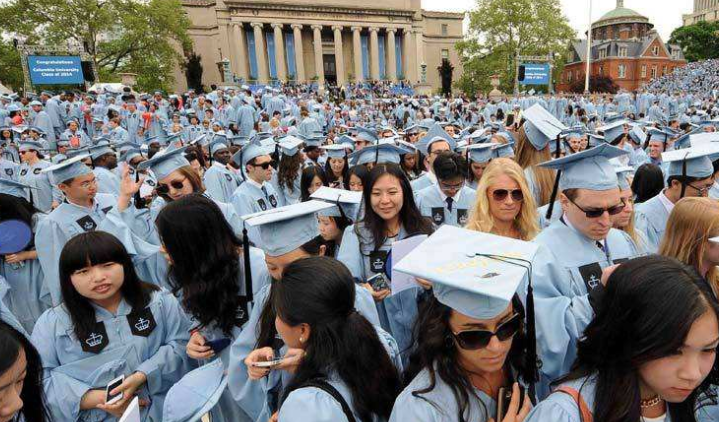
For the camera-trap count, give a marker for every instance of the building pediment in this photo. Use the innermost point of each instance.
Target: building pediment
(300, 9)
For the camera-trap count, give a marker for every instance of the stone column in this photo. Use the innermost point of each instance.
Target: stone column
(392, 55)
(299, 55)
(319, 69)
(409, 59)
(357, 52)
(374, 53)
(260, 53)
(339, 57)
(242, 61)
(420, 52)
(279, 52)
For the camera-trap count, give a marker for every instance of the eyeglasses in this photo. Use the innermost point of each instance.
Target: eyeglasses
(88, 184)
(596, 213)
(479, 339)
(702, 191)
(163, 189)
(264, 166)
(446, 186)
(500, 195)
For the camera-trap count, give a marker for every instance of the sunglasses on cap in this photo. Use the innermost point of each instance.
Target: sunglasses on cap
(598, 212)
(500, 195)
(479, 339)
(264, 166)
(164, 189)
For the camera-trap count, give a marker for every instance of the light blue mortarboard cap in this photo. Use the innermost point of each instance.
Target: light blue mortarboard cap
(68, 169)
(27, 144)
(613, 130)
(698, 161)
(347, 140)
(129, 154)
(661, 135)
(574, 132)
(11, 187)
(476, 286)
(435, 134)
(589, 169)
(58, 158)
(365, 134)
(290, 145)
(637, 134)
(102, 148)
(285, 229)
(503, 151)
(349, 201)
(623, 172)
(382, 153)
(481, 153)
(252, 150)
(195, 394)
(165, 161)
(218, 144)
(541, 127)
(335, 150)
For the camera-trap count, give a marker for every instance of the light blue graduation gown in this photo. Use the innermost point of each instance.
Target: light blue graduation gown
(439, 404)
(561, 407)
(5, 314)
(431, 205)
(651, 220)
(132, 344)
(26, 297)
(63, 223)
(287, 196)
(220, 183)
(45, 191)
(570, 264)
(422, 182)
(44, 122)
(9, 169)
(107, 181)
(397, 312)
(556, 214)
(249, 199)
(252, 395)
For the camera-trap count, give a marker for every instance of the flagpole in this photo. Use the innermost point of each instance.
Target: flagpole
(589, 50)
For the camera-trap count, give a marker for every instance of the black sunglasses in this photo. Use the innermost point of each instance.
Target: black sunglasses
(479, 339)
(264, 166)
(596, 213)
(500, 195)
(163, 189)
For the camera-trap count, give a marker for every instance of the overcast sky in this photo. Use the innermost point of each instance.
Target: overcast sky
(666, 15)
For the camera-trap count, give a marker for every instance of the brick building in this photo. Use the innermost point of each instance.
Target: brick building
(626, 48)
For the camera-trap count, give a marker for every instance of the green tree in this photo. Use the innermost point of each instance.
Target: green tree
(699, 41)
(499, 30)
(10, 67)
(120, 35)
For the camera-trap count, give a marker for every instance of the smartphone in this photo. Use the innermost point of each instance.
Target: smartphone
(109, 398)
(268, 364)
(378, 282)
(504, 398)
(218, 345)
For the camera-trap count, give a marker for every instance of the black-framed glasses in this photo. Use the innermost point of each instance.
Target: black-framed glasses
(702, 191)
(598, 212)
(479, 339)
(164, 189)
(500, 195)
(264, 166)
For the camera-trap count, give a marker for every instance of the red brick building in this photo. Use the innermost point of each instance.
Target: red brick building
(626, 48)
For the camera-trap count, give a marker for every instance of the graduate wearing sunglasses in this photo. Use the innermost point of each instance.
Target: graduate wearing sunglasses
(473, 334)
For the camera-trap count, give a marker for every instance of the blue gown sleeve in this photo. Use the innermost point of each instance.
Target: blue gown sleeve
(311, 401)
(410, 408)
(350, 255)
(558, 407)
(63, 392)
(644, 226)
(170, 361)
(213, 185)
(49, 241)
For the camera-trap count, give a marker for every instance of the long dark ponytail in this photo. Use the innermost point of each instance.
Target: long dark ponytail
(320, 292)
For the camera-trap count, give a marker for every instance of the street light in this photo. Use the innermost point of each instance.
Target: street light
(589, 50)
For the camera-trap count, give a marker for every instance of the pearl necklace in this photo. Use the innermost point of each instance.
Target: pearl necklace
(647, 403)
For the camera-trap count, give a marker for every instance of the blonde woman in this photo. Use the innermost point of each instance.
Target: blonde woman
(532, 150)
(504, 204)
(625, 220)
(692, 222)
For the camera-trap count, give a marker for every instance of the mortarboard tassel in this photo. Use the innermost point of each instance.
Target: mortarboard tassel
(684, 177)
(247, 264)
(553, 197)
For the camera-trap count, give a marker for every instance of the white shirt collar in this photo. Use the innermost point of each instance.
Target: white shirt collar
(456, 196)
(669, 205)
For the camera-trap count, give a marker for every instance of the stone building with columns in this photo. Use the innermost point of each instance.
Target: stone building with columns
(335, 41)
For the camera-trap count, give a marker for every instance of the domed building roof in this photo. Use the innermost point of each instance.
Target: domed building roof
(621, 14)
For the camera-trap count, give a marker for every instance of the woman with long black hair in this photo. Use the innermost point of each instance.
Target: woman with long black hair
(21, 394)
(343, 359)
(649, 354)
(390, 214)
(286, 179)
(313, 178)
(110, 324)
(207, 270)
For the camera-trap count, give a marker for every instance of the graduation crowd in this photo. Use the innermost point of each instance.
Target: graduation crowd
(279, 254)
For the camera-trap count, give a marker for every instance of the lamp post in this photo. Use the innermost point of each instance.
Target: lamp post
(589, 50)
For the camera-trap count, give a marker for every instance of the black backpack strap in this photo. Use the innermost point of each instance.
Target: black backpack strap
(329, 389)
